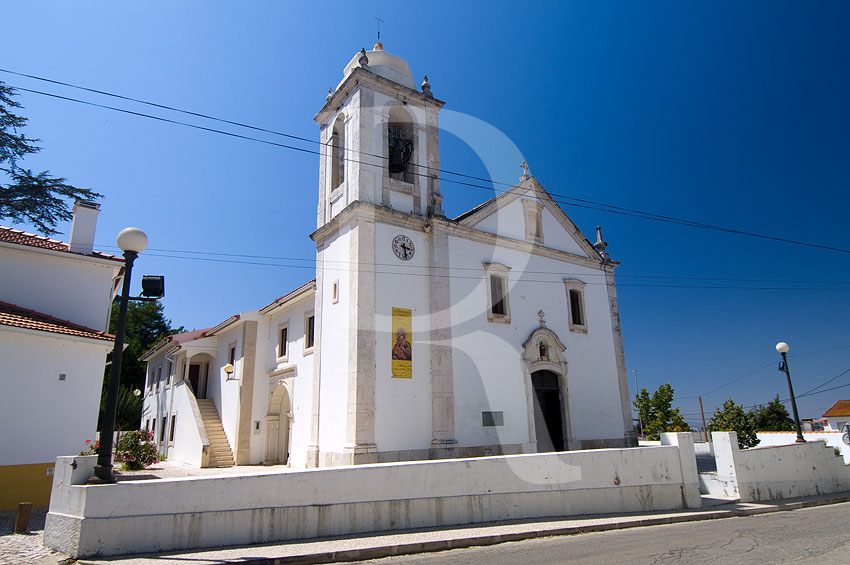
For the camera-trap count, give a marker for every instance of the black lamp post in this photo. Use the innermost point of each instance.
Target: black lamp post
(132, 241)
(782, 348)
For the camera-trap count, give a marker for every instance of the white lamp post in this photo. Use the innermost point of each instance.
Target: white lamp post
(132, 241)
(782, 348)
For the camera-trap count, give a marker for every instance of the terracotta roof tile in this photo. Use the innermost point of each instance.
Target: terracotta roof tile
(840, 408)
(17, 317)
(10, 235)
(288, 294)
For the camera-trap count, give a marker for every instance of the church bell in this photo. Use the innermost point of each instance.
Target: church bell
(400, 150)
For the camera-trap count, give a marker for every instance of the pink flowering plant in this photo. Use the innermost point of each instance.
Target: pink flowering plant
(136, 450)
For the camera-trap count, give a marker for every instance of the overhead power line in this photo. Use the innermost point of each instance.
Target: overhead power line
(559, 198)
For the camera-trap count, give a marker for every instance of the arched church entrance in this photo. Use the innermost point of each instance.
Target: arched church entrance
(548, 414)
(278, 424)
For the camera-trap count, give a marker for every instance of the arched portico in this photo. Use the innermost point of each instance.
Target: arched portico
(547, 393)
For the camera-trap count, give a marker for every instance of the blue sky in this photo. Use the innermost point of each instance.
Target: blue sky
(725, 113)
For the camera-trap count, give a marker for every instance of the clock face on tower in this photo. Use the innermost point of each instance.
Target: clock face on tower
(403, 247)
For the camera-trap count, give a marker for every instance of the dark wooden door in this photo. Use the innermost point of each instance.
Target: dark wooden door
(548, 413)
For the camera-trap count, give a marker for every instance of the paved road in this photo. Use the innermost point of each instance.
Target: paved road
(819, 535)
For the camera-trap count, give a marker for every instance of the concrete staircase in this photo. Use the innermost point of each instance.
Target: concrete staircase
(220, 453)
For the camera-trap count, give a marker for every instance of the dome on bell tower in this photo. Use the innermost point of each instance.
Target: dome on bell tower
(384, 64)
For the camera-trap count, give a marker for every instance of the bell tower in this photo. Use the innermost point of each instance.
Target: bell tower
(380, 139)
(379, 219)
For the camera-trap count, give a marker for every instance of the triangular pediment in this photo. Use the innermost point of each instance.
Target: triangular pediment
(507, 215)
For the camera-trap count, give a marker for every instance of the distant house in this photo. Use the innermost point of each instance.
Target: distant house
(838, 415)
(55, 300)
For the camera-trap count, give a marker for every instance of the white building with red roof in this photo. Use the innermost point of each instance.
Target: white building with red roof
(55, 299)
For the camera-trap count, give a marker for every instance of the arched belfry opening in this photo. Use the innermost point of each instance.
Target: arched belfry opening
(547, 393)
(337, 152)
(400, 145)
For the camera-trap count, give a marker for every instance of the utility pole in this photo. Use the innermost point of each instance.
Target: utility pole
(637, 393)
(702, 413)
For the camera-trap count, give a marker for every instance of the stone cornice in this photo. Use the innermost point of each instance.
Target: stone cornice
(376, 82)
(359, 210)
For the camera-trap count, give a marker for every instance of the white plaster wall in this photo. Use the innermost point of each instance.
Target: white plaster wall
(777, 472)
(403, 406)
(43, 417)
(837, 423)
(214, 511)
(301, 393)
(68, 288)
(335, 335)
(188, 445)
(487, 355)
(509, 221)
(225, 393)
(832, 439)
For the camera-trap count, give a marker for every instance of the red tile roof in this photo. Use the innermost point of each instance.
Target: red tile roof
(17, 317)
(283, 298)
(840, 408)
(10, 235)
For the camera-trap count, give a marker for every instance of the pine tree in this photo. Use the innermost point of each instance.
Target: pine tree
(36, 198)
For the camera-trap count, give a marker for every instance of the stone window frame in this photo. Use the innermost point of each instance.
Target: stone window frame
(171, 428)
(337, 153)
(282, 356)
(501, 273)
(168, 373)
(308, 350)
(335, 292)
(158, 376)
(533, 213)
(576, 286)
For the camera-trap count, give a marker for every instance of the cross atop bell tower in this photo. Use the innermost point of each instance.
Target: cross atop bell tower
(380, 139)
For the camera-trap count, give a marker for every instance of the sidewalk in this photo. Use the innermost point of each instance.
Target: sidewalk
(351, 548)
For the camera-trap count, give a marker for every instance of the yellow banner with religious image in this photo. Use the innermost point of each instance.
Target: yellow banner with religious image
(402, 350)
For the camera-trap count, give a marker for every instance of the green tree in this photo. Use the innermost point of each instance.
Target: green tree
(772, 417)
(146, 325)
(657, 413)
(732, 418)
(36, 198)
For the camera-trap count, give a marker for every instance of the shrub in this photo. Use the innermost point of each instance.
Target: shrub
(136, 450)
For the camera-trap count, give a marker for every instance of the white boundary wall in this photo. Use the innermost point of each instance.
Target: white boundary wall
(141, 516)
(774, 473)
(832, 439)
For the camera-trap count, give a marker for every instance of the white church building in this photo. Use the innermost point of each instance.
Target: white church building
(421, 337)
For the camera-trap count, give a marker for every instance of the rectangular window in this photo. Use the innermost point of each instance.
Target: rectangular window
(147, 425)
(335, 292)
(498, 295)
(162, 429)
(496, 283)
(232, 356)
(575, 305)
(153, 425)
(309, 332)
(158, 376)
(173, 424)
(168, 374)
(282, 342)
